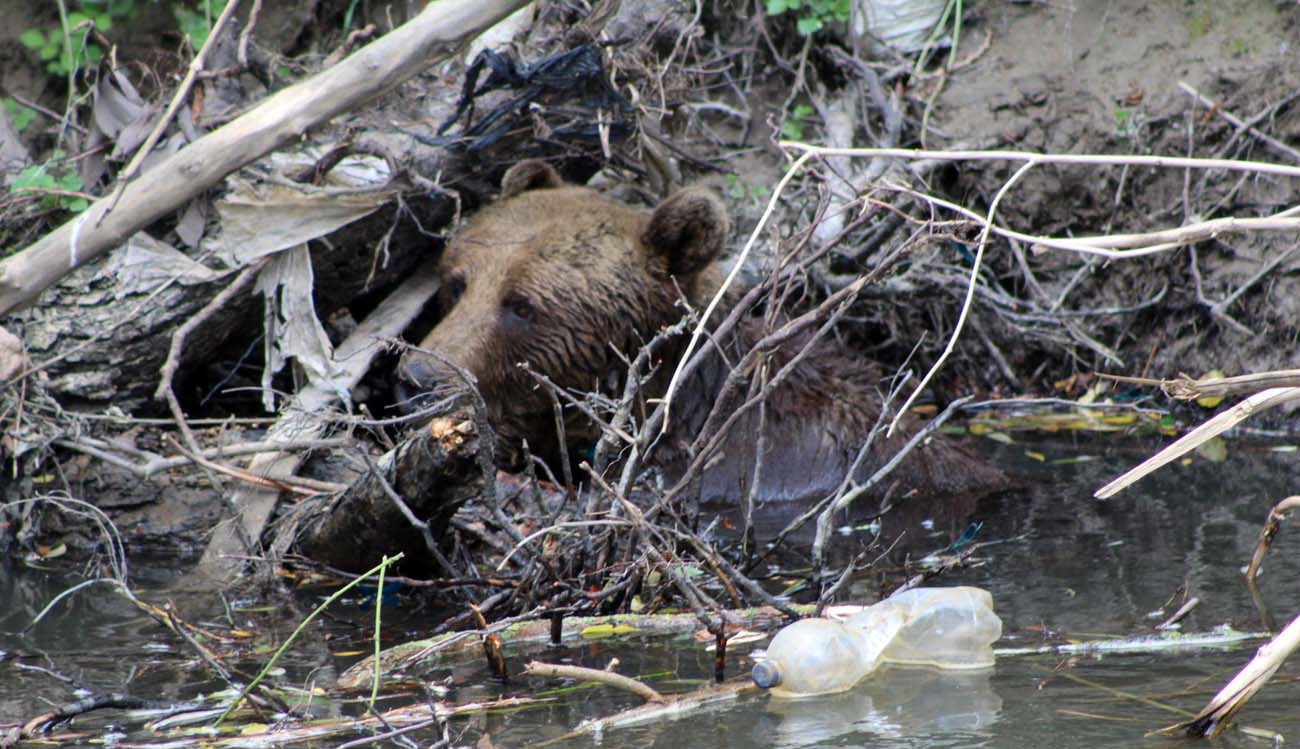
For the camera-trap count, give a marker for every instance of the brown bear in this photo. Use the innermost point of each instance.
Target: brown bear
(574, 283)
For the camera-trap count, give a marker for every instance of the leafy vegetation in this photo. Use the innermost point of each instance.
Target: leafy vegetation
(19, 115)
(792, 129)
(67, 48)
(744, 191)
(195, 25)
(57, 178)
(812, 15)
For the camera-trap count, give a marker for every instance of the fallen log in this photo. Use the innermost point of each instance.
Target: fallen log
(404, 503)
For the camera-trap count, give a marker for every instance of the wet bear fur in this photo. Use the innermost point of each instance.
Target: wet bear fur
(563, 277)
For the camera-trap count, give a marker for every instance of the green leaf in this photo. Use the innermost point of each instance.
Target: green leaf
(77, 205)
(33, 178)
(32, 38)
(103, 22)
(20, 116)
(808, 25)
(75, 19)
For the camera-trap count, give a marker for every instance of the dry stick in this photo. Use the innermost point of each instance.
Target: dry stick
(1220, 710)
(247, 33)
(196, 65)
(105, 451)
(608, 678)
(677, 707)
(433, 35)
(976, 265)
(843, 502)
(153, 463)
(1108, 246)
(1271, 527)
(848, 481)
(738, 264)
(296, 484)
(699, 601)
(164, 390)
(1215, 426)
(1185, 388)
(712, 434)
(1178, 162)
(1215, 107)
(689, 364)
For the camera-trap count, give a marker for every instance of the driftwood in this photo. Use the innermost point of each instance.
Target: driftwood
(404, 503)
(414, 657)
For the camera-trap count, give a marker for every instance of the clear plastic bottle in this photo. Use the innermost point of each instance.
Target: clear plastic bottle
(940, 627)
(824, 656)
(947, 628)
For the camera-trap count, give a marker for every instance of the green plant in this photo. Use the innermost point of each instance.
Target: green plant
(66, 49)
(1126, 123)
(19, 115)
(813, 15)
(57, 178)
(792, 129)
(738, 190)
(196, 24)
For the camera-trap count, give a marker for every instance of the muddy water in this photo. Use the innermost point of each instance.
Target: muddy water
(1067, 567)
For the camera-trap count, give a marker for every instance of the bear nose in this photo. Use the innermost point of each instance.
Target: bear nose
(417, 370)
(415, 378)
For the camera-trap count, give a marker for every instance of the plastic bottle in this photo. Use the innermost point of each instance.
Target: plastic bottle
(947, 628)
(824, 656)
(940, 627)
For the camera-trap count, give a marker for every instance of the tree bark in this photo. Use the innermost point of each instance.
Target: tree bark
(433, 472)
(101, 347)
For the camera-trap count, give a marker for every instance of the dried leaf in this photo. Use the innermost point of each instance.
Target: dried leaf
(1211, 401)
(192, 222)
(255, 223)
(117, 104)
(134, 133)
(144, 262)
(292, 328)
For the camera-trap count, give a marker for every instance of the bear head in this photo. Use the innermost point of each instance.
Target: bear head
(563, 279)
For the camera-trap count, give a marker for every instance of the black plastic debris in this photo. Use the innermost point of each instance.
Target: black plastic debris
(569, 90)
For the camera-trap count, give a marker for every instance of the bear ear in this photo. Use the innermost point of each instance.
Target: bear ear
(529, 174)
(688, 229)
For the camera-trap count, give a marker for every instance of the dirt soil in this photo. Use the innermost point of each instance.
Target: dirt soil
(1102, 77)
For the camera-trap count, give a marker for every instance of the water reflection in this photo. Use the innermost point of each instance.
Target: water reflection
(895, 703)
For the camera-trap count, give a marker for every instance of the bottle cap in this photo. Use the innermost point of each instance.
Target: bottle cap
(766, 674)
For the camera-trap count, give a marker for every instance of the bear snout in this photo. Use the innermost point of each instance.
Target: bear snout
(416, 377)
(417, 371)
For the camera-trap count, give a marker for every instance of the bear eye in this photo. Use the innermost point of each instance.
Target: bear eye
(452, 289)
(520, 306)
